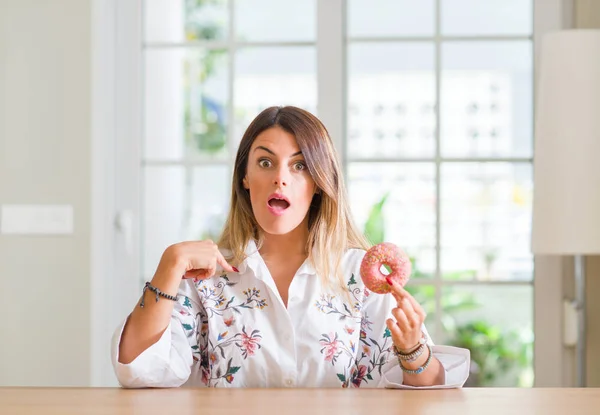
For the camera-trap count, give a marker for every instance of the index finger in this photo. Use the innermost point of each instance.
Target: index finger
(223, 262)
(400, 294)
(397, 291)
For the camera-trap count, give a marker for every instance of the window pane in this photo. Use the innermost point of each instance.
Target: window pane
(164, 197)
(208, 202)
(273, 76)
(486, 99)
(496, 324)
(182, 204)
(407, 215)
(486, 221)
(275, 20)
(184, 20)
(391, 109)
(489, 17)
(185, 103)
(380, 18)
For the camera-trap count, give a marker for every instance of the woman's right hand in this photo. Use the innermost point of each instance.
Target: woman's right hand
(145, 326)
(194, 259)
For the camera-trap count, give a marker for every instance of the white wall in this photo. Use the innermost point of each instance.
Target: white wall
(44, 159)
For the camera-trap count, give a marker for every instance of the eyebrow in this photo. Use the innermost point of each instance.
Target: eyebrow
(271, 152)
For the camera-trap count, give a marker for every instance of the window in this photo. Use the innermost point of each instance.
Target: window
(437, 145)
(439, 156)
(210, 67)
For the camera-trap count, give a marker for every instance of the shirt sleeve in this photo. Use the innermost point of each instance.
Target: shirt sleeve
(455, 361)
(168, 362)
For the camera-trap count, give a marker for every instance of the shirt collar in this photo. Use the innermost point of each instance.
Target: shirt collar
(255, 263)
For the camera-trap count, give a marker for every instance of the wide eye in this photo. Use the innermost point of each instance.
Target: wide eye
(299, 166)
(265, 163)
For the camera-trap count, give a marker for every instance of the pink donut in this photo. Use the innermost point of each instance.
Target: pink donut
(389, 254)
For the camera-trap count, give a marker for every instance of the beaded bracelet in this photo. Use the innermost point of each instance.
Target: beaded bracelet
(158, 292)
(419, 369)
(412, 356)
(424, 339)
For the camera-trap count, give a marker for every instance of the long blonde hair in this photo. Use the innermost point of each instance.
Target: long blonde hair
(331, 228)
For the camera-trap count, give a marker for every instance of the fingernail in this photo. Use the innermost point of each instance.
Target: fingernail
(235, 269)
(389, 280)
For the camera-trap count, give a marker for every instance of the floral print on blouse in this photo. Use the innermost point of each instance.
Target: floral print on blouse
(233, 330)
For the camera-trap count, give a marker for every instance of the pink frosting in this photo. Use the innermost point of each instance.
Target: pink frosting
(391, 255)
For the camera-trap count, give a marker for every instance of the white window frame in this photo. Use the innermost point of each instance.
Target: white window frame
(116, 174)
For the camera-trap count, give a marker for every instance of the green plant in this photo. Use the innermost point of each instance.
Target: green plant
(494, 351)
(195, 28)
(204, 117)
(205, 129)
(375, 224)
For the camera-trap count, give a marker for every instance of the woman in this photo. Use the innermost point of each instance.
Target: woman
(279, 300)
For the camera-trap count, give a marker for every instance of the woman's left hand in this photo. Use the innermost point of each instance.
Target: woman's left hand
(408, 319)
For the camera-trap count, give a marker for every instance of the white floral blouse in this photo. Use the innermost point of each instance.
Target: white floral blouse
(233, 330)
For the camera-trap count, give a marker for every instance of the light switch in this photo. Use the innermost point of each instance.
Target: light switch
(36, 219)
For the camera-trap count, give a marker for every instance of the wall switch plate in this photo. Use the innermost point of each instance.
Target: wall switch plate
(36, 219)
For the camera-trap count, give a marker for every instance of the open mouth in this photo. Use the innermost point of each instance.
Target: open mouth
(278, 203)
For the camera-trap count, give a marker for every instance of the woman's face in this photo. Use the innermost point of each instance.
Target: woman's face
(281, 188)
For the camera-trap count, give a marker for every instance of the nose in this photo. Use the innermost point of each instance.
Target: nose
(281, 177)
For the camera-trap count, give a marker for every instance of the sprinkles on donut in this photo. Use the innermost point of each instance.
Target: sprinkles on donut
(389, 254)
